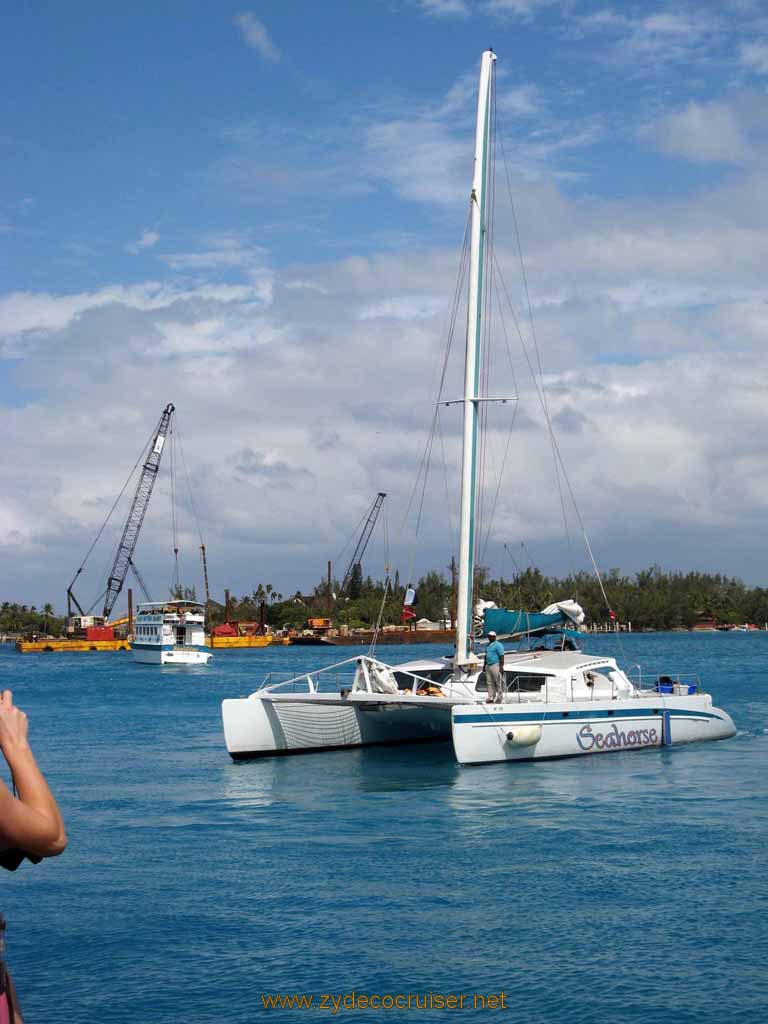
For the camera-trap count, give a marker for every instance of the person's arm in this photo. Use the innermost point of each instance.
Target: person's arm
(32, 821)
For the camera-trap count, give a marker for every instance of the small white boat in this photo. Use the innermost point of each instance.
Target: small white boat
(170, 633)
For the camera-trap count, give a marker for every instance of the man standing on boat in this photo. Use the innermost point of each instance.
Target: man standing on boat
(494, 666)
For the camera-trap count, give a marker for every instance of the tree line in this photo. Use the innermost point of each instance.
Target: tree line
(650, 599)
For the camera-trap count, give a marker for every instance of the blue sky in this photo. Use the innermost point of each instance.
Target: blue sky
(255, 211)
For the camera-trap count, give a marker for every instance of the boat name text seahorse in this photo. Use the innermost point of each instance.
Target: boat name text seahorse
(587, 739)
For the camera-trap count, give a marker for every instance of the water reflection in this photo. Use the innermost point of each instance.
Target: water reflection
(540, 789)
(317, 779)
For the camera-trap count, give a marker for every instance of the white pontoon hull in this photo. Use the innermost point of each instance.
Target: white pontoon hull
(291, 724)
(523, 733)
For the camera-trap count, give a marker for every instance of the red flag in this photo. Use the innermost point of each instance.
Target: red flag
(612, 613)
(407, 614)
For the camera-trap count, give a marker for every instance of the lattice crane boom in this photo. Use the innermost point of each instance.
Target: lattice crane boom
(137, 512)
(365, 536)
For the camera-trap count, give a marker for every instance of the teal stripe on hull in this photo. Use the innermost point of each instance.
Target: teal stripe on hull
(533, 717)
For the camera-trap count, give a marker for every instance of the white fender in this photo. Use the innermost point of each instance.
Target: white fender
(524, 735)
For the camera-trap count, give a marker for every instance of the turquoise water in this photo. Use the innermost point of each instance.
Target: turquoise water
(629, 887)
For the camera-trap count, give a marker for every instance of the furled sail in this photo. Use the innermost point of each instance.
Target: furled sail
(508, 622)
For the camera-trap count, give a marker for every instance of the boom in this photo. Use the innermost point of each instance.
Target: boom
(138, 510)
(365, 536)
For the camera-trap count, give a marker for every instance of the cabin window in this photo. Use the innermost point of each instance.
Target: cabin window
(522, 683)
(516, 682)
(405, 680)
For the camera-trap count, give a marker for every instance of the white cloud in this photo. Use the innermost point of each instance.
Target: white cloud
(445, 8)
(308, 285)
(656, 39)
(666, 24)
(424, 157)
(702, 133)
(524, 101)
(147, 240)
(406, 153)
(30, 319)
(304, 398)
(517, 8)
(256, 36)
(412, 307)
(755, 57)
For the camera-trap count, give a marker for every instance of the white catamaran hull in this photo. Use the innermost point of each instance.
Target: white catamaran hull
(523, 733)
(291, 724)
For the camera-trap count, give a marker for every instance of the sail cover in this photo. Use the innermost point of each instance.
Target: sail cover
(507, 622)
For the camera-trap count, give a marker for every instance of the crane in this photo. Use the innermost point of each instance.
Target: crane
(138, 510)
(139, 505)
(365, 536)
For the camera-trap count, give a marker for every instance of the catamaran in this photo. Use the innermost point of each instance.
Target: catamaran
(557, 703)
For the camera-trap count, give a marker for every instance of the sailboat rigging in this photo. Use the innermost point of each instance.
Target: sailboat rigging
(558, 703)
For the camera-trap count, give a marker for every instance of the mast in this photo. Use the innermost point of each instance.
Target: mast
(205, 577)
(472, 362)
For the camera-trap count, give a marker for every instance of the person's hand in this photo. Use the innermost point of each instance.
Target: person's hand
(13, 722)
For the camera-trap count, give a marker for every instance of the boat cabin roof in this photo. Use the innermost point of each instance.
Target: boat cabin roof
(555, 661)
(169, 606)
(426, 664)
(529, 661)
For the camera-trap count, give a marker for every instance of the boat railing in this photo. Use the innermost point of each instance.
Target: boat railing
(417, 686)
(341, 675)
(634, 674)
(665, 681)
(318, 681)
